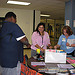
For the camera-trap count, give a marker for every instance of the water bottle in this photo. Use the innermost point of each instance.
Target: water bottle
(38, 54)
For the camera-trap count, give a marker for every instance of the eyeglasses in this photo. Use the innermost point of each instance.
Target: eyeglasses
(41, 27)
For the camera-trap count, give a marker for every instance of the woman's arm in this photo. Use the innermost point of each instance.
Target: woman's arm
(56, 46)
(72, 45)
(39, 47)
(49, 45)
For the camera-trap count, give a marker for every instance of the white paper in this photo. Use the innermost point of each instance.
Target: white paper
(68, 22)
(53, 57)
(70, 41)
(62, 74)
(64, 66)
(73, 23)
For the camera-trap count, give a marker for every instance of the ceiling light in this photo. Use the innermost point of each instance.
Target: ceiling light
(18, 2)
(45, 15)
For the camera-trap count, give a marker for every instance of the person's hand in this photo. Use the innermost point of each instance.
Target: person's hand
(67, 44)
(55, 47)
(42, 50)
(50, 47)
(29, 46)
(72, 45)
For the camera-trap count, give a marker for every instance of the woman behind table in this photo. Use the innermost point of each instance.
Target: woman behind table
(40, 39)
(63, 41)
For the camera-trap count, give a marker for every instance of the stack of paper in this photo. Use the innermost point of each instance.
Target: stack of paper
(38, 63)
(72, 71)
(71, 61)
(64, 65)
(49, 69)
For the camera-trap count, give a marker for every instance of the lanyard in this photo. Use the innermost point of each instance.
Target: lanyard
(42, 40)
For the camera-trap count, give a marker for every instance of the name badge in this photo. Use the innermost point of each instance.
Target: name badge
(63, 39)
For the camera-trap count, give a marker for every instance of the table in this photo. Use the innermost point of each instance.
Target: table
(36, 67)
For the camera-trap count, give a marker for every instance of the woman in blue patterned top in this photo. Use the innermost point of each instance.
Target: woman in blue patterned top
(66, 41)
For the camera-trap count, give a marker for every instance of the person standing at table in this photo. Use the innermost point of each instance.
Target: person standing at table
(12, 39)
(66, 41)
(40, 39)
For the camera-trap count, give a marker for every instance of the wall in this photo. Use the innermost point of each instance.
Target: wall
(24, 19)
(70, 13)
(73, 16)
(37, 18)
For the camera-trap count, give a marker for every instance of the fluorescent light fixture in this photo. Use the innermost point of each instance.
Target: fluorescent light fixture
(45, 15)
(18, 2)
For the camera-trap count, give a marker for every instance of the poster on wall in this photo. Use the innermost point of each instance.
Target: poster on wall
(67, 22)
(73, 23)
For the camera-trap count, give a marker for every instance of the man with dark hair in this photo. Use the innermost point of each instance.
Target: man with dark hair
(8, 15)
(12, 39)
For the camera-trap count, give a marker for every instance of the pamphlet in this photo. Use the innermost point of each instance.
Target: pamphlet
(70, 41)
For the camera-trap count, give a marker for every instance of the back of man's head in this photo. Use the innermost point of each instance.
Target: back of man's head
(9, 15)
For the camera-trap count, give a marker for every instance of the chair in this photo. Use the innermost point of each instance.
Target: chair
(25, 59)
(27, 71)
